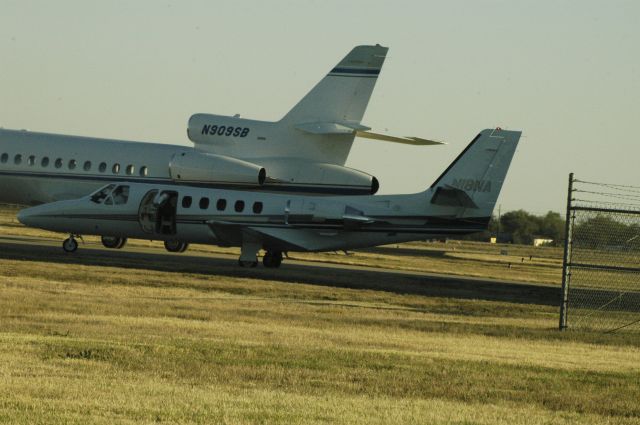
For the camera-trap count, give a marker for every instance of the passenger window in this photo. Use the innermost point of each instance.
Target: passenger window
(45, 161)
(144, 171)
(204, 203)
(87, 166)
(4, 158)
(17, 159)
(121, 195)
(221, 205)
(102, 167)
(239, 207)
(72, 164)
(31, 160)
(186, 202)
(58, 163)
(257, 207)
(115, 169)
(130, 169)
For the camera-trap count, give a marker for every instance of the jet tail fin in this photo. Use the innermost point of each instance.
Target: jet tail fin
(343, 94)
(470, 186)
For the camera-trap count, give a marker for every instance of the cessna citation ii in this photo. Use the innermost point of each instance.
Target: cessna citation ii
(304, 152)
(460, 201)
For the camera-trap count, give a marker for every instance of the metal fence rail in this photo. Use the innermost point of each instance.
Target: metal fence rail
(601, 267)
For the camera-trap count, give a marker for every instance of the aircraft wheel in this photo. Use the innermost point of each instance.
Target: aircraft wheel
(272, 259)
(175, 246)
(70, 245)
(247, 263)
(113, 242)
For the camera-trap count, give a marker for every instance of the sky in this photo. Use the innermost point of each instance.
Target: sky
(566, 73)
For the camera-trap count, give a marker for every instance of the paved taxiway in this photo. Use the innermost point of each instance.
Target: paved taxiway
(315, 273)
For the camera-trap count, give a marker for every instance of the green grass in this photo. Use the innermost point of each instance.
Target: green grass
(86, 343)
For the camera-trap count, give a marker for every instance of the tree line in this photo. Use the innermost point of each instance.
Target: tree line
(521, 227)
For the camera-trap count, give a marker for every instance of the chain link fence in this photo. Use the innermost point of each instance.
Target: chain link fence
(601, 268)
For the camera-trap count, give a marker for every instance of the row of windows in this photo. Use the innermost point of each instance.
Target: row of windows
(221, 204)
(73, 164)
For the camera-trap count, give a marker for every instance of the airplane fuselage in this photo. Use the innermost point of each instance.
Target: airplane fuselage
(284, 222)
(37, 168)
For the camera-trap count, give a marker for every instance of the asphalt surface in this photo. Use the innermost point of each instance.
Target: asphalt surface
(295, 271)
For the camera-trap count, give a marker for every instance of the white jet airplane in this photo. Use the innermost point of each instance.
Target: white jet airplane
(304, 152)
(460, 201)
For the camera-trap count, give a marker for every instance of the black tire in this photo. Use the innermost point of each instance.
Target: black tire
(247, 263)
(70, 245)
(113, 242)
(272, 259)
(123, 242)
(175, 246)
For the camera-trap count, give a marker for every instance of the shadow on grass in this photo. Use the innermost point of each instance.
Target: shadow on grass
(397, 282)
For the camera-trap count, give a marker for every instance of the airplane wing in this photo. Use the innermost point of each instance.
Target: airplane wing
(284, 237)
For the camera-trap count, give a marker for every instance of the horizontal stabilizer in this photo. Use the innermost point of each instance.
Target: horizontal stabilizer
(331, 127)
(417, 141)
(359, 130)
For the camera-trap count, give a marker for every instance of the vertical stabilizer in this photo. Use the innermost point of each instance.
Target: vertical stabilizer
(343, 94)
(470, 186)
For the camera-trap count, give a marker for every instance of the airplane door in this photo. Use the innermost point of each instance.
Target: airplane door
(148, 212)
(157, 212)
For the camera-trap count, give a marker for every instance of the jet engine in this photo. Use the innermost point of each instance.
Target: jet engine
(197, 167)
(320, 177)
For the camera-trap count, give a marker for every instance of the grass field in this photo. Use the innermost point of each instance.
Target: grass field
(87, 341)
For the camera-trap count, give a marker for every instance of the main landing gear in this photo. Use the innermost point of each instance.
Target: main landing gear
(176, 246)
(113, 242)
(272, 259)
(249, 256)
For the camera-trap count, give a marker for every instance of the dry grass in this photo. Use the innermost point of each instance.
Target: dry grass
(87, 343)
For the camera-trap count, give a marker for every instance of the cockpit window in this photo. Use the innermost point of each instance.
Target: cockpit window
(121, 195)
(110, 196)
(101, 194)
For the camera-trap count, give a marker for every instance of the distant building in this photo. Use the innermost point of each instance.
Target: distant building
(542, 241)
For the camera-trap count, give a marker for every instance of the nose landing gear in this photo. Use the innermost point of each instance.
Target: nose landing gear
(70, 244)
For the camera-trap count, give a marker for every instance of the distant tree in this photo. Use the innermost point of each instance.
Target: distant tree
(552, 227)
(521, 225)
(603, 231)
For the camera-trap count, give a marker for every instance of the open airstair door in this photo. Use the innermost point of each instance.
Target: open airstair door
(157, 212)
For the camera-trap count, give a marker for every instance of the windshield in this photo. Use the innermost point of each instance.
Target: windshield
(100, 194)
(111, 194)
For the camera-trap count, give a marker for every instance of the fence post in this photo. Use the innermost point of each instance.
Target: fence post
(566, 270)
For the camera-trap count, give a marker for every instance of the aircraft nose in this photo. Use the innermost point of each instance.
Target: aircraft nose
(24, 216)
(28, 216)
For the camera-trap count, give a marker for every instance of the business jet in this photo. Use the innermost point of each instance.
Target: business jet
(460, 201)
(304, 152)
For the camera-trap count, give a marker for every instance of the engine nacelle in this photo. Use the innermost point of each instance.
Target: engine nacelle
(321, 177)
(199, 167)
